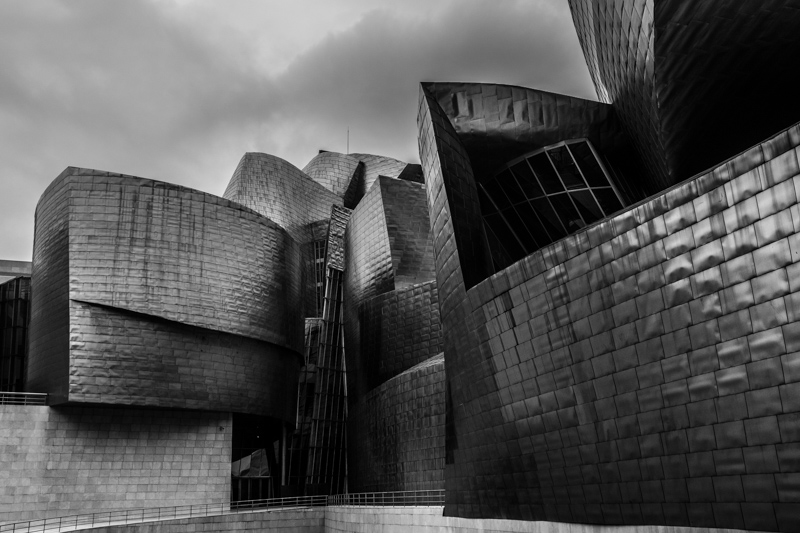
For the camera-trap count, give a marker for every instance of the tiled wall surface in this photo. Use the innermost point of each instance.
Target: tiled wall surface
(284, 194)
(396, 432)
(631, 88)
(66, 461)
(123, 358)
(147, 262)
(281, 192)
(332, 170)
(645, 370)
(378, 165)
(407, 223)
(680, 75)
(399, 329)
(389, 247)
(48, 349)
(183, 255)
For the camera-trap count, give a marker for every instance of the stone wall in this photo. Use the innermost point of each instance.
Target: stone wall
(75, 460)
(287, 521)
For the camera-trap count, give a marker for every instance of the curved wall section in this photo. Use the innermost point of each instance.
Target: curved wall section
(281, 192)
(497, 123)
(397, 432)
(682, 97)
(378, 165)
(399, 329)
(144, 264)
(332, 170)
(388, 247)
(646, 368)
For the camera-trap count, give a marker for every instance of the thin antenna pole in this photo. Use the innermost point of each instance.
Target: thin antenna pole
(348, 140)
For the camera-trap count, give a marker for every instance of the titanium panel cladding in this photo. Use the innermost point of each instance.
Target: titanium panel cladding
(686, 76)
(497, 123)
(333, 170)
(378, 165)
(281, 192)
(642, 371)
(145, 260)
(396, 432)
(399, 329)
(389, 247)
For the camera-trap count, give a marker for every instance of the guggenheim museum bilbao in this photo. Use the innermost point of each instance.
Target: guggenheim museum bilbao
(573, 311)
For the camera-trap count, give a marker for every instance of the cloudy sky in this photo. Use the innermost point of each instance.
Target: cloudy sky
(179, 90)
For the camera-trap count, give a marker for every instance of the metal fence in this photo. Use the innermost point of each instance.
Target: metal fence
(412, 497)
(23, 398)
(137, 516)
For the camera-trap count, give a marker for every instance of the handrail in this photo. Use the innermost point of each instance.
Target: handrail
(22, 398)
(397, 498)
(154, 514)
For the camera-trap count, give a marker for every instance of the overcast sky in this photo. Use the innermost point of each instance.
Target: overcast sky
(179, 90)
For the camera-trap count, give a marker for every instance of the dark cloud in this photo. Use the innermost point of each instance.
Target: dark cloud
(123, 86)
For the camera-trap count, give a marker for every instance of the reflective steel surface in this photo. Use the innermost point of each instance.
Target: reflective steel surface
(638, 371)
(693, 82)
(137, 281)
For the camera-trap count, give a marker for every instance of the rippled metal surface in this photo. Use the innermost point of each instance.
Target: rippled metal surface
(686, 77)
(639, 371)
(396, 432)
(155, 279)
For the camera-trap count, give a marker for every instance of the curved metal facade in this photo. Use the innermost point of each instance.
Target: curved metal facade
(397, 432)
(398, 329)
(637, 372)
(281, 192)
(694, 82)
(388, 287)
(378, 165)
(336, 172)
(146, 293)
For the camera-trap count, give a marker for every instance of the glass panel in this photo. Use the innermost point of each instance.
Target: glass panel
(549, 218)
(500, 257)
(527, 180)
(586, 160)
(504, 235)
(495, 192)
(509, 185)
(566, 168)
(518, 224)
(487, 207)
(569, 215)
(544, 171)
(531, 221)
(586, 205)
(518, 221)
(608, 200)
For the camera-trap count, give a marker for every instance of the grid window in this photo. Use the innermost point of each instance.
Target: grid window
(544, 196)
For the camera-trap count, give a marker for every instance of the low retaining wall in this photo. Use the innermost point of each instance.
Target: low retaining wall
(358, 519)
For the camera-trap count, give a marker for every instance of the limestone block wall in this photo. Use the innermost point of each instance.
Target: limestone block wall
(311, 520)
(73, 460)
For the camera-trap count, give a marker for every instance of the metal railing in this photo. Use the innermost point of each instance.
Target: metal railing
(280, 503)
(23, 398)
(137, 516)
(399, 498)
